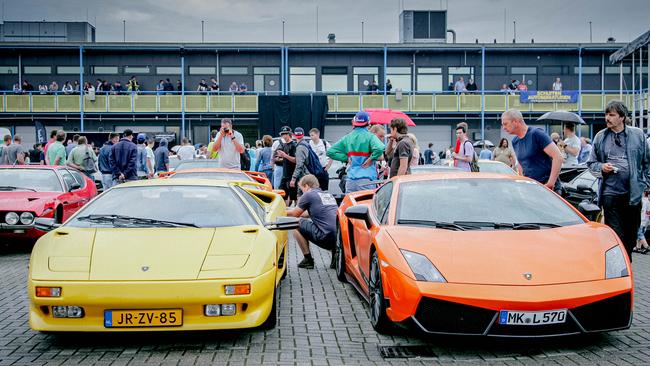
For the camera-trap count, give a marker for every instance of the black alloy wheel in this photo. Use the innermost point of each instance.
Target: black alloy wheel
(339, 255)
(378, 317)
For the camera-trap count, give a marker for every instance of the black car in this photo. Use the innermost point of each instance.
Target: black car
(582, 192)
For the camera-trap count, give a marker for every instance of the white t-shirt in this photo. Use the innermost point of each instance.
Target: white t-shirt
(321, 150)
(151, 157)
(186, 152)
(229, 157)
(573, 142)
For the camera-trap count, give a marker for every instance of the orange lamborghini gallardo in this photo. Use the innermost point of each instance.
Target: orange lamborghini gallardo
(481, 254)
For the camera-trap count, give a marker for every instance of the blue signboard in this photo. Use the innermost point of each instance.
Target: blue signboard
(569, 96)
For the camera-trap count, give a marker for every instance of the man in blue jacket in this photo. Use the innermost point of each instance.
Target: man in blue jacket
(104, 160)
(123, 159)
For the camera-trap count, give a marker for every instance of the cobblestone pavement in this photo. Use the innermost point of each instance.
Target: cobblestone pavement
(321, 322)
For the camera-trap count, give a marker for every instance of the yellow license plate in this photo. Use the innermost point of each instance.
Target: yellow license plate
(143, 318)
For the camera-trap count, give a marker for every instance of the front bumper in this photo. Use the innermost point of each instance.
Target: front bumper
(19, 231)
(468, 309)
(190, 296)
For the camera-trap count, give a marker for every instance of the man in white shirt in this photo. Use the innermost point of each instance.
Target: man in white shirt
(186, 151)
(573, 145)
(320, 148)
(557, 85)
(230, 145)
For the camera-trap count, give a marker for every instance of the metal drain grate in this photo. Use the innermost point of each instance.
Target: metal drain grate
(406, 351)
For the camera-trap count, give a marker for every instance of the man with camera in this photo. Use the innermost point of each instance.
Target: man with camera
(229, 144)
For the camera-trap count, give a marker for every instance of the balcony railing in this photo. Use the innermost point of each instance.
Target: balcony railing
(196, 103)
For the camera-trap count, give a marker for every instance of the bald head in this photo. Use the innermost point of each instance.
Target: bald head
(513, 122)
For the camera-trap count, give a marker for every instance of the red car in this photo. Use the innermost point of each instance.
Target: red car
(31, 191)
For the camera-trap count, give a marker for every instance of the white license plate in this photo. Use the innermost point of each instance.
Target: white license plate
(508, 317)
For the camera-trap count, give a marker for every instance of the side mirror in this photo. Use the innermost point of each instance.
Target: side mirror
(46, 223)
(584, 188)
(284, 223)
(359, 213)
(74, 187)
(589, 209)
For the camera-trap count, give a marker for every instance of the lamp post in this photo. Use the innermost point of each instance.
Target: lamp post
(123, 30)
(362, 31)
(202, 32)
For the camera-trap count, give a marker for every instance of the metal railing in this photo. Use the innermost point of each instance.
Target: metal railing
(344, 102)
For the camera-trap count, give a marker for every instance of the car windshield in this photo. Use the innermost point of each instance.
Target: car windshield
(214, 175)
(197, 164)
(38, 180)
(482, 203)
(165, 206)
(495, 167)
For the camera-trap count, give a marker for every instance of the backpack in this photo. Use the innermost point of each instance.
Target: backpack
(88, 164)
(473, 165)
(245, 160)
(313, 166)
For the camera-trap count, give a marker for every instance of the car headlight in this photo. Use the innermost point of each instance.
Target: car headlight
(615, 265)
(26, 218)
(422, 267)
(12, 218)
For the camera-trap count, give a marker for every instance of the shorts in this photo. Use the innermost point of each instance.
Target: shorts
(292, 192)
(312, 233)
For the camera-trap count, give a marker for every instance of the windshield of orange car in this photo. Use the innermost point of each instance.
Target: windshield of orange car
(475, 201)
(165, 206)
(39, 180)
(213, 175)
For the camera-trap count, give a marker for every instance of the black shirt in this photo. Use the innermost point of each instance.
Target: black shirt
(287, 166)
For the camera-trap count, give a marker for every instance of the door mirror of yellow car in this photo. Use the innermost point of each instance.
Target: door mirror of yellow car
(46, 223)
(359, 212)
(284, 223)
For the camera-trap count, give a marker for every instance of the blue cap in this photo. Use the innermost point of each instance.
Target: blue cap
(361, 119)
(299, 132)
(142, 137)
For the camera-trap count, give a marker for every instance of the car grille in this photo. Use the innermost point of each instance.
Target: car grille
(440, 316)
(611, 313)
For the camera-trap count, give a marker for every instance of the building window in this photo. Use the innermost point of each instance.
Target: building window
(105, 70)
(38, 69)
(495, 70)
(644, 69)
(334, 70)
(168, 70)
(555, 70)
(227, 70)
(334, 83)
(363, 76)
(266, 70)
(136, 70)
(302, 79)
(68, 70)
(616, 70)
(429, 79)
(400, 78)
(467, 72)
(587, 70)
(8, 69)
(201, 70)
(519, 70)
(429, 70)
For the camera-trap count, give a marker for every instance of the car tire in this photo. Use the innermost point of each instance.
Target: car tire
(272, 320)
(378, 317)
(339, 253)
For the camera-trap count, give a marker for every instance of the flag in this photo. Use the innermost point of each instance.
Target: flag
(41, 134)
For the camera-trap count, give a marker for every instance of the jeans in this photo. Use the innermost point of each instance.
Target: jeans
(623, 218)
(269, 174)
(358, 185)
(107, 180)
(277, 177)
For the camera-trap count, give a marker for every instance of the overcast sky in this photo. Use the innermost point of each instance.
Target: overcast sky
(261, 20)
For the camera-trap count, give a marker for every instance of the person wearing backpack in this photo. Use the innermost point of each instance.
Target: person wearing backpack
(83, 158)
(465, 156)
(307, 162)
(143, 171)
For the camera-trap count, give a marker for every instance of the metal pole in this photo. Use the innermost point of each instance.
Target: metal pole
(202, 32)
(316, 23)
(579, 88)
(591, 39)
(385, 81)
(81, 88)
(282, 70)
(20, 70)
(648, 86)
(633, 90)
(514, 27)
(641, 122)
(362, 31)
(182, 94)
(620, 81)
(282, 31)
(123, 30)
(483, 95)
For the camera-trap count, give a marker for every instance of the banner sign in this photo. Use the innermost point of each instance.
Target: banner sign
(569, 96)
(41, 134)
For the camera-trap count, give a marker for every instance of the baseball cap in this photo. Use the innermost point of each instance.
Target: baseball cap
(285, 129)
(142, 137)
(299, 132)
(361, 119)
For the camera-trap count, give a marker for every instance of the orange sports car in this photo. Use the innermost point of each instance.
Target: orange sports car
(481, 254)
(225, 174)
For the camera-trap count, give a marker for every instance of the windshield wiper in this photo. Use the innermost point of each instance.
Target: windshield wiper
(436, 224)
(532, 225)
(135, 220)
(13, 188)
(490, 224)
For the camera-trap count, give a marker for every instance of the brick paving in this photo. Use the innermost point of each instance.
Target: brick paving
(321, 322)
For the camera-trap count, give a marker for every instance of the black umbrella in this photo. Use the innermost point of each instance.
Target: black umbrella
(562, 117)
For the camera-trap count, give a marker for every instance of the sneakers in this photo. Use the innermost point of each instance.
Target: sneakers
(333, 262)
(306, 263)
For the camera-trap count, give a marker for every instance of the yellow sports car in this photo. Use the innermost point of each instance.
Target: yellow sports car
(162, 255)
